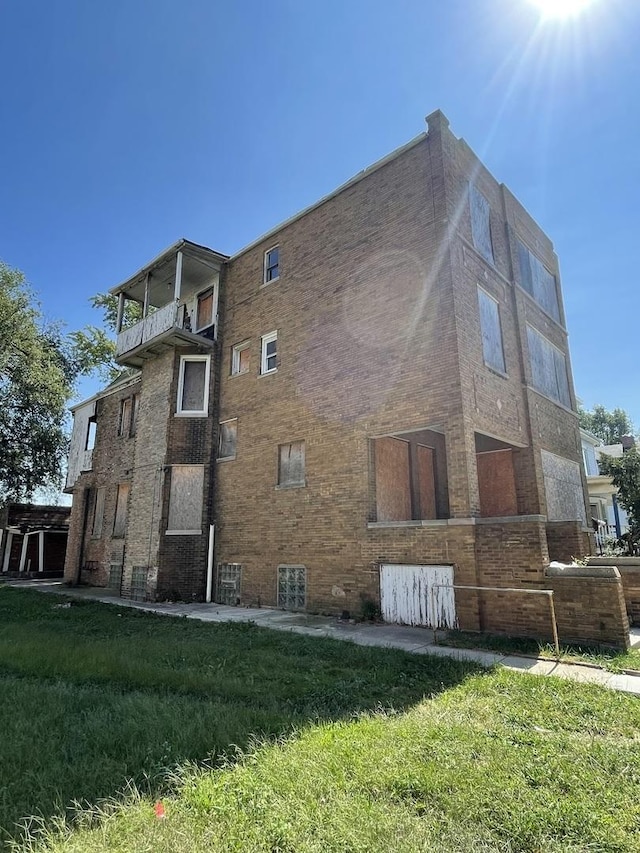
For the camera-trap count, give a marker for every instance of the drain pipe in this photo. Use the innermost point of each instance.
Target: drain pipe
(212, 536)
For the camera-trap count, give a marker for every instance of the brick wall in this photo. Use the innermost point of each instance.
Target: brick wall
(629, 569)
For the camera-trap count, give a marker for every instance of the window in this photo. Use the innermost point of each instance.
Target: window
(124, 421)
(186, 499)
(90, 441)
(98, 513)
(204, 312)
(291, 464)
(120, 520)
(240, 355)
(227, 437)
(271, 264)
(480, 223)
(538, 282)
(193, 385)
(292, 587)
(269, 357)
(492, 348)
(590, 461)
(548, 368)
(135, 405)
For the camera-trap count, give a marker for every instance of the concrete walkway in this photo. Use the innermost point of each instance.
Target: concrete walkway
(415, 640)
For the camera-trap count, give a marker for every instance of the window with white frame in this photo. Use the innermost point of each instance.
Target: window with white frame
(492, 349)
(480, 223)
(291, 464)
(548, 368)
(240, 356)
(269, 353)
(271, 264)
(227, 438)
(186, 500)
(193, 385)
(204, 310)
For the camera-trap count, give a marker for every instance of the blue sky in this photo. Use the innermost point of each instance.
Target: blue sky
(130, 123)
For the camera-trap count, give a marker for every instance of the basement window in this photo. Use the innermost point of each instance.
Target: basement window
(481, 223)
(410, 475)
(291, 464)
(548, 368)
(292, 587)
(193, 386)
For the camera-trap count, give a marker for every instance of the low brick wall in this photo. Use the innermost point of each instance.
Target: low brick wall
(590, 605)
(567, 540)
(629, 568)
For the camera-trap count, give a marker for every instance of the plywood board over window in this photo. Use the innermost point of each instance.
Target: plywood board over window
(186, 500)
(563, 488)
(393, 485)
(480, 223)
(426, 481)
(120, 520)
(291, 467)
(497, 484)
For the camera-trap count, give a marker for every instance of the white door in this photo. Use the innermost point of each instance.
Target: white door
(418, 595)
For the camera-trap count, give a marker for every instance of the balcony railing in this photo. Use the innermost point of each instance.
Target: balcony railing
(156, 324)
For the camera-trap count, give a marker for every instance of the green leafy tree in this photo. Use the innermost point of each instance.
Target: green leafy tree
(94, 347)
(37, 372)
(608, 426)
(625, 473)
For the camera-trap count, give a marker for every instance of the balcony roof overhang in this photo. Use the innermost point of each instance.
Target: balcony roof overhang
(134, 287)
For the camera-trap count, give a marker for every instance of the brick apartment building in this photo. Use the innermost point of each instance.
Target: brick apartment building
(375, 395)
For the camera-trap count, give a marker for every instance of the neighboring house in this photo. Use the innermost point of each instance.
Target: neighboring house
(33, 539)
(608, 517)
(375, 394)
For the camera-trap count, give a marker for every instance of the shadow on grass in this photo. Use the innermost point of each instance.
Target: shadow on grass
(93, 695)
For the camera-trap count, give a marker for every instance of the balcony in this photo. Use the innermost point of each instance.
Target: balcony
(176, 296)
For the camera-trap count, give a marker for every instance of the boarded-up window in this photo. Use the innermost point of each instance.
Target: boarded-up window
(426, 481)
(291, 464)
(548, 368)
(120, 520)
(204, 314)
(538, 282)
(563, 488)
(227, 439)
(240, 355)
(186, 499)
(135, 405)
(193, 396)
(497, 484)
(124, 422)
(393, 484)
(480, 223)
(492, 349)
(98, 513)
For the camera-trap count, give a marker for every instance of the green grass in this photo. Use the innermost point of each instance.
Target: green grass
(329, 747)
(93, 695)
(612, 660)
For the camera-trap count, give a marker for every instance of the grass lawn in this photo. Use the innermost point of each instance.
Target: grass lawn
(613, 660)
(329, 747)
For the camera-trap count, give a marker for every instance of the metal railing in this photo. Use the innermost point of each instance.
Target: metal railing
(547, 592)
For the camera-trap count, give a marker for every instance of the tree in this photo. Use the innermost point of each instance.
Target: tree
(37, 371)
(608, 426)
(95, 348)
(625, 473)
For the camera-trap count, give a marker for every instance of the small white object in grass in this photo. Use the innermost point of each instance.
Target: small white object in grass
(65, 605)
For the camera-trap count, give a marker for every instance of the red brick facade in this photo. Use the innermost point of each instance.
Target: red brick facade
(378, 334)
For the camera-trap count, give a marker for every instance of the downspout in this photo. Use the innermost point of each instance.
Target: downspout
(210, 562)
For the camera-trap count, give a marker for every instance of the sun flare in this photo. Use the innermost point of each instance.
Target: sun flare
(561, 9)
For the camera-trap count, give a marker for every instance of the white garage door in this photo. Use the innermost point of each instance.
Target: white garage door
(417, 595)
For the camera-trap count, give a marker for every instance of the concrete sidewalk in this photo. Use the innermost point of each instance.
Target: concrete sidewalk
(414, 640)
